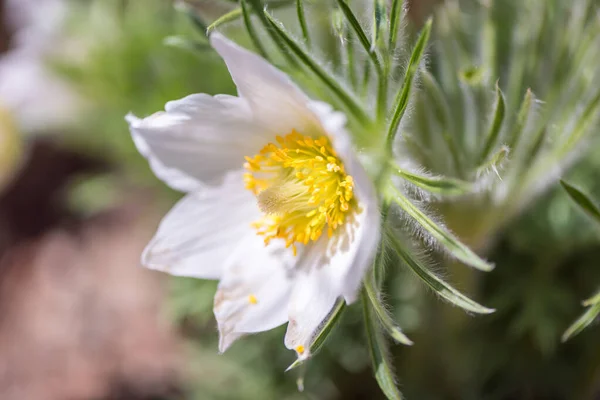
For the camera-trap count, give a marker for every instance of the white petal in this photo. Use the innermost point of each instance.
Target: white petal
(199, 234)
(200, 137)
(173, 177)
(354, 256)
(331, 268)
(351, 257)
(276, 101)
(254, 292)
(312, 299)
(334, 267)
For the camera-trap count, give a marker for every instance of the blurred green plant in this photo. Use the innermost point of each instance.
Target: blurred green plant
(513, 89)
(593, 303)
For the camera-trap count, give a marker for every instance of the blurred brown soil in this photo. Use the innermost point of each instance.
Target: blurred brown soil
(79, 318)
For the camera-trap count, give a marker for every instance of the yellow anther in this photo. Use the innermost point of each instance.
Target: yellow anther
(300, 349)
(301, 187)
(252, 299)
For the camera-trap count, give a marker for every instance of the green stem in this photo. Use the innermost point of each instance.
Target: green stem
(302, 21)
(251, 31)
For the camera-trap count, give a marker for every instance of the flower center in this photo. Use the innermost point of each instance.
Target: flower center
(301, 187)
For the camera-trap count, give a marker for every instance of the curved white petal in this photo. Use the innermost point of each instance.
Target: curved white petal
(198, 235)
(200, 137)
(360, 239)
(173, 177)
(334, 267)
(331, 268)
(312, 299)
(276, 101)
(254, 292)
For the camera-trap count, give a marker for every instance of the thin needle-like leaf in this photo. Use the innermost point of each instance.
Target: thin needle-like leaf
(443, 236)
(350, 61)
(231, 16)
(592, 300)
(250, 28)
(401, 100)
(319, 71)
(236, 14)
(261, 13)
(370, 50)
(379, 354)
(494, 131)
(588, 115)
(388, 324)
(437, 185)
(582, 200)
(360, 33)
(379, 17)
(302, 21)
(439, 286)
(493, 163)
(442, 109)
(521, 121)
(395, 19)
(582, 322)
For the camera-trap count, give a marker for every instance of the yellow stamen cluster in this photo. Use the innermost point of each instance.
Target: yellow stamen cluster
(302, 188)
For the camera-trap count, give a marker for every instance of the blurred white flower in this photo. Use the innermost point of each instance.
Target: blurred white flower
(28, 89)
(279, 208)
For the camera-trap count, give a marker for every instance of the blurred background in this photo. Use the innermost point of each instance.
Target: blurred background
(81, 320)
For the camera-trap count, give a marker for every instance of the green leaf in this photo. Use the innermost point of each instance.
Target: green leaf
(370, 50)
(494, 162)
(337, 23)
(379, 355)
(237, 13)
(582, 200)
(445, 238)
(521, 122)
(379, 17)
(588, 115)
(322, 333)
(360, 33)
(582, 322)
(350, 60)
(439, 286)
(402, 97)
(302, 21)
(442, 109)
(260, 11)
(437, 185)
(595, 299)
(250, 28)
(382, 314)
(352, 105)
(395, 19)
(231, 16)
(494, 131)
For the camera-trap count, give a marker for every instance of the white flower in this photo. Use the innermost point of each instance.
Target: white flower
(35, 96)
(278, 208)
